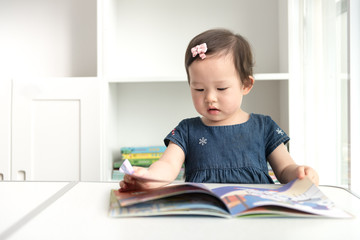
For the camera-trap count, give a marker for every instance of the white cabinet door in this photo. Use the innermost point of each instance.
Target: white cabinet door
(5, 128)
(56, 129)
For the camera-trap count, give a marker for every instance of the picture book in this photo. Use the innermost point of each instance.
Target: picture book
(142, 155)
(135, 162)
(299, 198)
(150, 149)
(117, 175)
(117, 164)
(142, 162)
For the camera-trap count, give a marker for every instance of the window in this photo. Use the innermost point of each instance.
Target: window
(354, 72)
(324, 88)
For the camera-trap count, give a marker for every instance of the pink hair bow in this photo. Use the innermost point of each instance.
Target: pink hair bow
(199, 49)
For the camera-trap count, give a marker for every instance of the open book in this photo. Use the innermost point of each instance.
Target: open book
(299, 198)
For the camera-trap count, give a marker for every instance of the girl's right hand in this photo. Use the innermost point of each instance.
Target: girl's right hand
(130, 183)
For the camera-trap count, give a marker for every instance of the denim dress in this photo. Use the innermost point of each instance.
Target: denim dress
(227, 154)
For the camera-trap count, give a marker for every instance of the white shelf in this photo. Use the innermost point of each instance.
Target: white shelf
(145, 79)
(145, 41)
(258, 77)
(271, 76)
(140, 59)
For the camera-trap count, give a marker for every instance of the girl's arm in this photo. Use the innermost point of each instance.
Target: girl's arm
(166, 168)
(286, 169)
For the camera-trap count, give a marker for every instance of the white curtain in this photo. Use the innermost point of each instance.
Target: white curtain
(354, 42)
(318, 88)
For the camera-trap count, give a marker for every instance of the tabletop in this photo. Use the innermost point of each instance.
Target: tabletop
(81, 212)
(19, 200)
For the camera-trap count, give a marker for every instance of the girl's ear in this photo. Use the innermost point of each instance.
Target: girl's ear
(248, 86)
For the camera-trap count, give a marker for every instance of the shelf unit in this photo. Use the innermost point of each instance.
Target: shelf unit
(135, 50)
(141, 48)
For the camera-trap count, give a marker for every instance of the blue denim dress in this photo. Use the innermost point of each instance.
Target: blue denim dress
(227, 154)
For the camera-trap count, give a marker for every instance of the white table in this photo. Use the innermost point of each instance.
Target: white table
(20, 201)
(82, 213)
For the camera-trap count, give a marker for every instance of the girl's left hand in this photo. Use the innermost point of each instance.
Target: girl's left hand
(302, 171)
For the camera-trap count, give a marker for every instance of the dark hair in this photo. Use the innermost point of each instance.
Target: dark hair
(222, 41)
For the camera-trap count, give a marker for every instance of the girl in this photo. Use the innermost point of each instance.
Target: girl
(225, 144)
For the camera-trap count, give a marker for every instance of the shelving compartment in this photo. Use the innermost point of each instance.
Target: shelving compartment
(147, 39)
(141, 59)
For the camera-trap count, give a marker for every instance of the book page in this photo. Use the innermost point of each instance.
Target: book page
(134, 197)
(178, 199)
(299, 195)
(183, 204)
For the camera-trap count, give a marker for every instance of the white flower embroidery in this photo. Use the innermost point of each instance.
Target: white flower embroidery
(202, 141)
(279, 131)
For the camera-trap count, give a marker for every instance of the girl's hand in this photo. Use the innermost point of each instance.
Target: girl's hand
(130, 183)
(160, 173)
(302, 171)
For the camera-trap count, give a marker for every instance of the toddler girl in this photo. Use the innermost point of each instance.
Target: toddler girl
(225, 144)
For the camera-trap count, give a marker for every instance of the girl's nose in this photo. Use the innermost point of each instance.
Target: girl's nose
(210, 97)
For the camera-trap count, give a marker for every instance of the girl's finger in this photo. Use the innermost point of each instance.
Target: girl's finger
(301, 172)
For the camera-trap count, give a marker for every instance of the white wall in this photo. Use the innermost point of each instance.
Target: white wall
(153, 35)
(48, 38)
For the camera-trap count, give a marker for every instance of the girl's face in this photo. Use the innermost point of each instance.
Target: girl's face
(217, 90)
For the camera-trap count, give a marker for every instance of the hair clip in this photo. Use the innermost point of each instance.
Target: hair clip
(199, 49)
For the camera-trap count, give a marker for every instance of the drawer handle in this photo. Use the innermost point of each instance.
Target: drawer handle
(21, 175)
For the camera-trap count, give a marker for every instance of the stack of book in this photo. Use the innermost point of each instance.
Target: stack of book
(141, 157)
(272, 174)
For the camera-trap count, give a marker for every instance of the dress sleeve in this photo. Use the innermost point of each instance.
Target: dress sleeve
(274, 136)
(179, 136)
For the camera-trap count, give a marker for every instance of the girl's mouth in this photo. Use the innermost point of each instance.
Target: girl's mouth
(213, 110)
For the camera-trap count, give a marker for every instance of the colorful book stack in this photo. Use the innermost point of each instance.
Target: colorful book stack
(272, 174)
(140, 156)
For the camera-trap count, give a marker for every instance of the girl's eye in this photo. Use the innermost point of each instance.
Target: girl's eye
(222, 89)
(199, 90)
